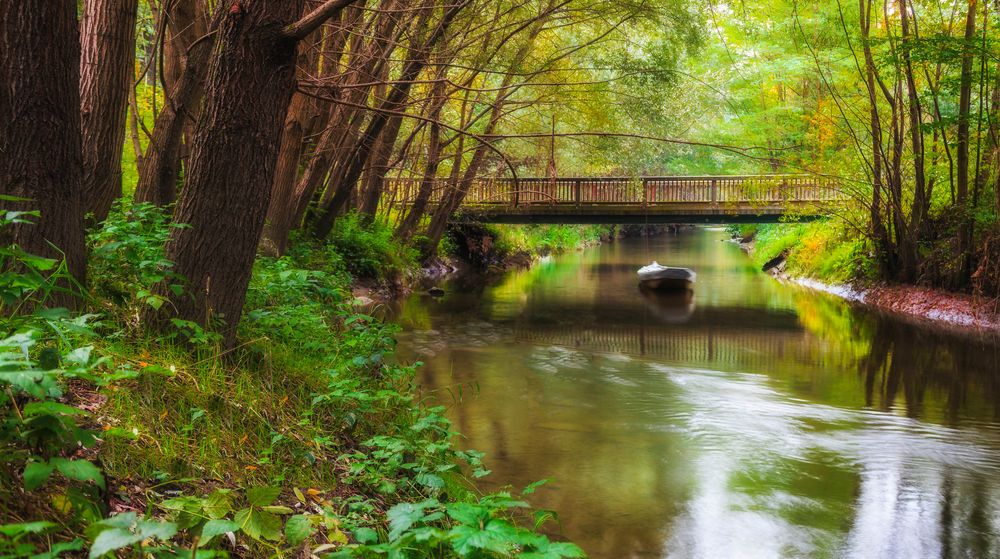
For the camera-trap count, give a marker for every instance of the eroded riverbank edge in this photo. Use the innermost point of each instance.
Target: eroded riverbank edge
(477, 254)
(956, 312)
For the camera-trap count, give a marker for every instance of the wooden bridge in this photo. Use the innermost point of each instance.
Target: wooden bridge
(678, 199)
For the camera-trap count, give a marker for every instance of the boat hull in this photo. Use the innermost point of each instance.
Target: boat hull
(667, 284)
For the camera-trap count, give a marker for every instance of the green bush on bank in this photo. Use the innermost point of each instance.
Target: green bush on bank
(545, 239)
(824, 249)
(306, 439)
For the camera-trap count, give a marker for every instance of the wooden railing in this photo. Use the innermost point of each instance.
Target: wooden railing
(642, 191)
(746, 347)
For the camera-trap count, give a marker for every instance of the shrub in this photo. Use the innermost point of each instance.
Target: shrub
(369, 249)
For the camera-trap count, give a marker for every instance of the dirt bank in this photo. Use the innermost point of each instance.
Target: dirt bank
(955, 311)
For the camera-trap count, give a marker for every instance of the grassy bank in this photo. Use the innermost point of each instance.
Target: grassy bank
(502, 246)
(303, 440)
(824, 250)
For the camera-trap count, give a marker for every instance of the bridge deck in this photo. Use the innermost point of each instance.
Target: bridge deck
(704, 199)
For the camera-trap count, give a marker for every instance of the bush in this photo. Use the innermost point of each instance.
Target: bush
(369, 249)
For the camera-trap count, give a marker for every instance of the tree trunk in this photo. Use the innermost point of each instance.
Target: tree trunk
(279, 224)
(250, 82)
(40, 143)
(409, 224)
(378, 166)
(417, 58)
(107, 50)
(188, 64)
(962, 149)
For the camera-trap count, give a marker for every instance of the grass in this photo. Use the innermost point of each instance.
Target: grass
(824, 250)
(306, 438)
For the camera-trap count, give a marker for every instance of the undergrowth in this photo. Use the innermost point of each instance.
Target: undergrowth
(305, 440)
(823, 249)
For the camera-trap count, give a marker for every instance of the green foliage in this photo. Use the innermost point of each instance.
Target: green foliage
(477, 528)
(545, 239)
(820, 249)
(369, 248)
(127, 257)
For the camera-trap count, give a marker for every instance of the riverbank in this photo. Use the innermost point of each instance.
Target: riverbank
(792, 256)
(304, 439)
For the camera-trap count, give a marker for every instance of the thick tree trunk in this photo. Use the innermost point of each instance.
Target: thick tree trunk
(107, 50)
(187, 63)
(40, 147)
(250, 82)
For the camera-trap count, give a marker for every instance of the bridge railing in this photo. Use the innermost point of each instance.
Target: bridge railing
(726, 189)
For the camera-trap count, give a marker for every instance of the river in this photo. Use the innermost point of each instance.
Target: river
(756, 419)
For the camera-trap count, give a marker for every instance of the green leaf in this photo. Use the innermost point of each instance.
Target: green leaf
(468, 513)
(216, 527)
(277, 509)
(262, 496)
(50, 408)
(365, 535)
(259, 525)
(36, 474)
(124, 530)
(79, 470)
(298, 528)
(219, 504)
(497, 536)
(13, 530)
(404, 515)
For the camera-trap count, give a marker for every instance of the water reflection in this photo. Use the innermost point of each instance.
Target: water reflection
(753, 420)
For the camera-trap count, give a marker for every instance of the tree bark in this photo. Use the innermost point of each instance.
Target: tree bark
(107, 50)
(426, 189)
(962, 150)
(417, 58)
(40, 143)
(187, 64)
(279, 224)
(250, 82)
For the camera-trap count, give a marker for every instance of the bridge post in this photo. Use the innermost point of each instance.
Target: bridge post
(576, 192)
(715, 191)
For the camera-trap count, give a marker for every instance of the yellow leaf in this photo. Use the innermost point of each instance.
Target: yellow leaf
(299, 495)
(62, 504)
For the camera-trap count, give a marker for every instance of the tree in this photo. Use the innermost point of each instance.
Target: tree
(41, 159)
(251, 79)
(187, 50)
(107, 37)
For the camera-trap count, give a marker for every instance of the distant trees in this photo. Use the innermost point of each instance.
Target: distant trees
(276, 115)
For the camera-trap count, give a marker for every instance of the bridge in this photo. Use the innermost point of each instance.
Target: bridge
(676, 199)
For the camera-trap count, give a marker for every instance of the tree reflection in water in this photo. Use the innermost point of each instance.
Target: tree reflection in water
(759, 421)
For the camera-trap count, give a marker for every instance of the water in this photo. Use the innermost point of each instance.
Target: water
(755, 420)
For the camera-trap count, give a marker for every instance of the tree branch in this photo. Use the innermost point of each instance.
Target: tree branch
(311, 21)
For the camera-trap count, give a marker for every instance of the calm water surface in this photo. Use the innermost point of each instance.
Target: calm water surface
(754, 420)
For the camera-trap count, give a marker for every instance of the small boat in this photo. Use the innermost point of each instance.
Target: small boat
(660, 277)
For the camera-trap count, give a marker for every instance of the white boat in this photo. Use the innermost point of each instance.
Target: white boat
(656, 276)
